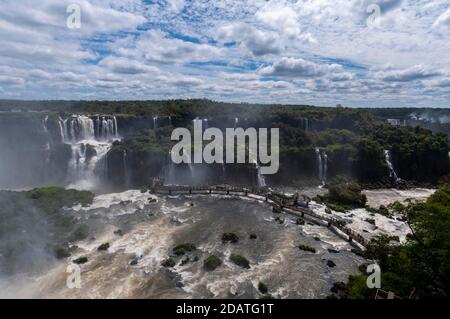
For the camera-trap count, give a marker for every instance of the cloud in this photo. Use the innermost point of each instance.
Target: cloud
(443, 20)
(126, 66)
(417, 72)
(297, 67)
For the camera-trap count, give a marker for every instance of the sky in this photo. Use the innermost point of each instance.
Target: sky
(358, 53)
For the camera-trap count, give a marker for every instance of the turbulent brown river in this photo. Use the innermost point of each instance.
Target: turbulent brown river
(131, 267)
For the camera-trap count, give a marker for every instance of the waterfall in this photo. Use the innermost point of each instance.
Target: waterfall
(306, 125)
(155, 122)
(205, 123)
(322, 164)
(236, 122)
(90, 142)
(170, 121)
(388, 158)
(260, 177)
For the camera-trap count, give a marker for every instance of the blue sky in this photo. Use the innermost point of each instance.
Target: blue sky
(324, 52)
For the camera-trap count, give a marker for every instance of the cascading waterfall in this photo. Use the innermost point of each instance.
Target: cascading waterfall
(388, 158)
(322, 164)
(155, 122)
(260, 177)
(236, 122)
(90, 141)
(205, 123)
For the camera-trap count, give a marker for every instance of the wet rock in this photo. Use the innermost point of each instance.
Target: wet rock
(152, 200)
(300, 221)
(253, 236)
(307, 248)
(185, 261)
(168, 263)
(328, 211)
(279, 220)
(370, 221)
(316, 238)
(134, 261)
(357, 252)
(333, 251)
(230, 238)
(118, 232)
(80, 261)
(331, 263)
(338, 286)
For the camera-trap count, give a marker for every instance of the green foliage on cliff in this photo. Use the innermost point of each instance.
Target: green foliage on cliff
(51, 199)
(421, 265)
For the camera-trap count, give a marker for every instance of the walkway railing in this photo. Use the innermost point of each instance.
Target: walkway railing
(274, 199)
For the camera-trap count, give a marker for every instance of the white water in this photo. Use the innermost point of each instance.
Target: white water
(155, 122)
(81, 133)
(261, 178)
(322, 164)
(392, 173)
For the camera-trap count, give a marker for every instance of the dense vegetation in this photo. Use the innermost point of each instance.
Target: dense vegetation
(353, 139)
(419, 268)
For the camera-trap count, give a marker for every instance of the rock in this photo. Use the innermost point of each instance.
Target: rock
(230, 238)
(333, 251)
(331, 263)
(103, 247)
(80, 261)
(118, 232)
(370, 221)
(327, 210)
(279, 220)
(316, 238)
(307, 248)
(338, 286)
(357, 252)
(240, 261)
(152, 200)
(134, 261)
(212, 262)
(168, 263)
(185, 261)
(191, 204)
(62, 252)
(253, 236)
(300, 221)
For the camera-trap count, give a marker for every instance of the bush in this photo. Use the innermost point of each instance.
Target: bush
(212, 262)
(183, 249)
(240, 261)
(262, 287)
(103, 247)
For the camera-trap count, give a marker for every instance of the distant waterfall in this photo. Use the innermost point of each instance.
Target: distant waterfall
(304, 124)
(236, 122)
(261, 179)
(90, 141)
(388, 158)
(205, 123)
(155, 122)
(322, 164)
